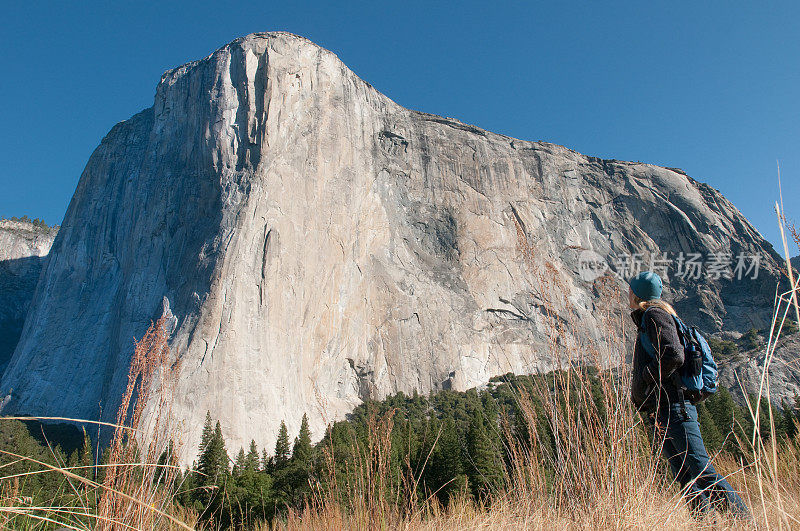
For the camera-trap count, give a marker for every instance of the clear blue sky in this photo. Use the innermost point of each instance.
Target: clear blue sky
(711, 87)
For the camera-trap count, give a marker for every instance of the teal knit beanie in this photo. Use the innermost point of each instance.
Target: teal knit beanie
(646, 285)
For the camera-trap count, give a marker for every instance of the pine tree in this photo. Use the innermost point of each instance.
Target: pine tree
(266, 462)
(788, 420)
(724, 411)
(301, 453)
(712, 438)
(282, 447)
(446, 469)
(208, 432)
(213, 461)
(239, 463)
(212, 470)
(86, 457)
(796, 413)
(166, 459)
(489, 411)
(791, 418)
(105, 458)
(251, 462)
(291, 479)
(220, 453)
(485, 462)
(765, 430)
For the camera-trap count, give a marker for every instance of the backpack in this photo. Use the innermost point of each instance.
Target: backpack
(697, 378)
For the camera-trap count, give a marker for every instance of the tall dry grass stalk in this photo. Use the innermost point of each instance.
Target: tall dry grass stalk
(774, 495)
(147, 487)
(363, 495)
(136, 489)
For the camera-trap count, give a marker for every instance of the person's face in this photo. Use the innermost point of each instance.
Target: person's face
(632, 299)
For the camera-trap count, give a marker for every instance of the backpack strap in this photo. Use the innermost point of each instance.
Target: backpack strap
(646, 343)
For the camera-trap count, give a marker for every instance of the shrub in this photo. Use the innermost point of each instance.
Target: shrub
(750, 339)
(723, 348)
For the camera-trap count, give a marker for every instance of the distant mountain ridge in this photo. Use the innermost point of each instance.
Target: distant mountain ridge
(24, 245)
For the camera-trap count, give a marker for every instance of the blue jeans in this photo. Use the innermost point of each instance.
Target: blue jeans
(684, 450)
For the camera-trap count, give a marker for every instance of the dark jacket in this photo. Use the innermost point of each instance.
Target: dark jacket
(651, 382)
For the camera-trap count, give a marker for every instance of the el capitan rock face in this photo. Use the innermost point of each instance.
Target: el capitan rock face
(314, 244)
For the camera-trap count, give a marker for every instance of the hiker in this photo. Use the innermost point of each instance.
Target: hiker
(657, 393)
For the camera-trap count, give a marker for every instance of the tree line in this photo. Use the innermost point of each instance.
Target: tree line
(449, 443)
(36, 222)
(444, 445)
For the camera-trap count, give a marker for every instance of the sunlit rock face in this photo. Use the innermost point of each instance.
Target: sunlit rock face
(23, 251)
(314, 243)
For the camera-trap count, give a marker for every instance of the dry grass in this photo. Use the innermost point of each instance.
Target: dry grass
(135, 496)
(134, 492)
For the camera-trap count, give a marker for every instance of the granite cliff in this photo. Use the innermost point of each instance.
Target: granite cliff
(313, 244)
(23, 251)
